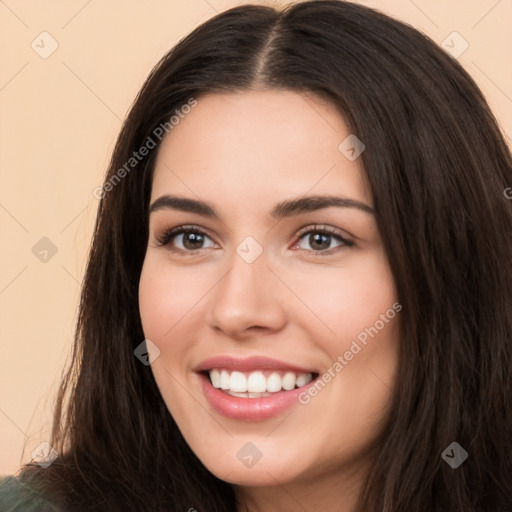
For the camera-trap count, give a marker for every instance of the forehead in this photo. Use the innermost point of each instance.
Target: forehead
(258, 144)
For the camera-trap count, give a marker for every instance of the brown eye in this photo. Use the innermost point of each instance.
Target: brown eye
(322, 240)
(319, 241)
(185, 239)
(191, 240)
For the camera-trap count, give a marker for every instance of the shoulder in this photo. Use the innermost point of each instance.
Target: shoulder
(19, 496)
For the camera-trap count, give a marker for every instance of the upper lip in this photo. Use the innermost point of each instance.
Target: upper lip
(249, 364)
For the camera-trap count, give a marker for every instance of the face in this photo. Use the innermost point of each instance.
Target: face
(275, 317)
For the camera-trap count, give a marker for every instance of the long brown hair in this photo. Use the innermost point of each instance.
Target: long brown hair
(437, 166)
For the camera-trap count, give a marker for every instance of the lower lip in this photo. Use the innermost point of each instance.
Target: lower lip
(250, 409)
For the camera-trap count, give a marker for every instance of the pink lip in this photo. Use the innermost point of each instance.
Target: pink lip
(249, 409)
(249, 364)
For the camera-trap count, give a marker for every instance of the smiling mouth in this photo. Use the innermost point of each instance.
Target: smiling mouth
(257, 384)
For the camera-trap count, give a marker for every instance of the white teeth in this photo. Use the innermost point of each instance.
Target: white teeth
(303, 379)
(255, 384)
(224, 379)
(248, 395)
(274, 382)
(215, 377)
(289, 381)
(257, 395)
(241, 395)
(238, 382)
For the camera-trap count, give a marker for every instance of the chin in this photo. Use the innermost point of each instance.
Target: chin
(241, 461)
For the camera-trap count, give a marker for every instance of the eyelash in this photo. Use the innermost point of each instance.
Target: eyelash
(168, 235)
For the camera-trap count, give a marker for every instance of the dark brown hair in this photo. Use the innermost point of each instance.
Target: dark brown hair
(437, 166)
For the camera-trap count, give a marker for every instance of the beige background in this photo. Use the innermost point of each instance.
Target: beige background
(59, 118)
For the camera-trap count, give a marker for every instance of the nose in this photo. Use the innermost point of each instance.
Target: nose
(248, 300)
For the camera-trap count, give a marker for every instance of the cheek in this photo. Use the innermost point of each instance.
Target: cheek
(348, 300)
(167, 301)
(167, 297)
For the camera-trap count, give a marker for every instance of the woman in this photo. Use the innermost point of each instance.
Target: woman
(298, 295)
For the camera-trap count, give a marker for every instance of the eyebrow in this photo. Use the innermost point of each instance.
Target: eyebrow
(283, 209)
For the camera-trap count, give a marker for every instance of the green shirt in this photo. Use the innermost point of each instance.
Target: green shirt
(18, 496)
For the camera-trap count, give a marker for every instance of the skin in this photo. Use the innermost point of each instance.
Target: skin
(243, 153)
